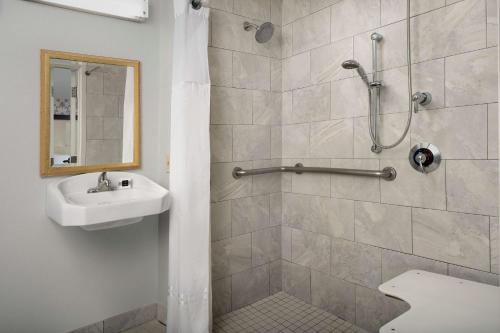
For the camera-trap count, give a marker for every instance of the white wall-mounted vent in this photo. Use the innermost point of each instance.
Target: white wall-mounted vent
(134, 10)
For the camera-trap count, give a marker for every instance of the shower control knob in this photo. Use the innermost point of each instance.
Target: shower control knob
(420, 98)
(425, 157)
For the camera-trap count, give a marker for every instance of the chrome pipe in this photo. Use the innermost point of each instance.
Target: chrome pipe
(376, 38)
(376, 142)
(375, 96)
(388, 173)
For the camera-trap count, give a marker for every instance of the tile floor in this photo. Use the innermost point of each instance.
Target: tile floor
(282, 313)
(149, 327)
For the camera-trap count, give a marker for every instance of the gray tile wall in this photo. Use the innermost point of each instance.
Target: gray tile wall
(246, 104)
(373, 230)
(125, 321)
(104, 103)
(342, 236)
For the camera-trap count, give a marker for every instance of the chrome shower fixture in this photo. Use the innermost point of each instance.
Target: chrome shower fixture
(373, 90)
(376, 37)
(425, 157)
(421, 98)
(196, 4)
(375, 86)
(353, 64)
(88, 72)
(263, 32)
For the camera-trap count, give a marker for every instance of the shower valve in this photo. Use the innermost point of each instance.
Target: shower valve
(420, 98)
(425, 157)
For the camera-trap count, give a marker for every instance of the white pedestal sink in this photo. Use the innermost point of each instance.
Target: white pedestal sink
(69, 204)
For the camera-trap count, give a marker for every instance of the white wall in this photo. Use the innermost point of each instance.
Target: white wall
(55, 279)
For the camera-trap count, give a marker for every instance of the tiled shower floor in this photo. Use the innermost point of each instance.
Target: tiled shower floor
(281, 313)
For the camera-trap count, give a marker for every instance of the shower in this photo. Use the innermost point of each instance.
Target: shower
(263, 32)
(88, 72)
(353, 64)
(374, 89)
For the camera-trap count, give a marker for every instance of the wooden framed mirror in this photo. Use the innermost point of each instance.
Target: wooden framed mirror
(89, 113)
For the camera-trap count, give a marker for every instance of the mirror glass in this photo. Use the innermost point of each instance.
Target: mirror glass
(88, 111)
(92, 110)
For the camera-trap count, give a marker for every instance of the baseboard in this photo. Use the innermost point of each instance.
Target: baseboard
(126, 320)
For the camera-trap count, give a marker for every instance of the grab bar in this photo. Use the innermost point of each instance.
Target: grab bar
(387, 173)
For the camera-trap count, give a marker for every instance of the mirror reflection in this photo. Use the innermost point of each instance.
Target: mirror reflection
(91, 112)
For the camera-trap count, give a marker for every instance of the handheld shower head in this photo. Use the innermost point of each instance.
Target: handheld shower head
(353, 64)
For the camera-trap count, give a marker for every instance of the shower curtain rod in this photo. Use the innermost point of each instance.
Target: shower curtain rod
(387, 173)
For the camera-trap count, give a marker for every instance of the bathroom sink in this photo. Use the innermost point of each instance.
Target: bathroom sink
(69, 203)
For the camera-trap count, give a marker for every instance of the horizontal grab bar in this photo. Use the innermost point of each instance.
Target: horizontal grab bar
(388, 173)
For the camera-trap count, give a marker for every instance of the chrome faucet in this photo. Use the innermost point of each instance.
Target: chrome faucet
(103, 184)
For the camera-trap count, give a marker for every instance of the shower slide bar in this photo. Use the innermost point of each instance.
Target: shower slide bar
(387, 173)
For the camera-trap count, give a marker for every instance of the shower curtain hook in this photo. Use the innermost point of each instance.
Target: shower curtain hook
(197, 4)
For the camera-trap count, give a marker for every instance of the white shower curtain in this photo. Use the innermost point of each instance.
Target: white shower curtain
(189, 294)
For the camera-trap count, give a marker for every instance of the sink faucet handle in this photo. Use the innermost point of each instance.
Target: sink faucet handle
(103, 177)
(103, 184)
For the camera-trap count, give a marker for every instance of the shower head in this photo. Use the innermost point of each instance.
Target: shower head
(353, 64)
(88, 72)
(263, 32)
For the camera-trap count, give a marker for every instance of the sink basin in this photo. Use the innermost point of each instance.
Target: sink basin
(69, 204)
